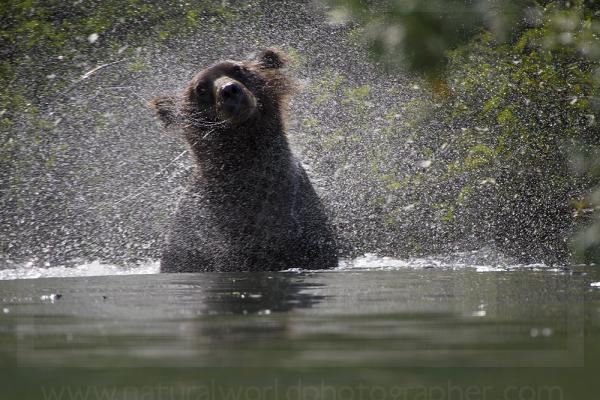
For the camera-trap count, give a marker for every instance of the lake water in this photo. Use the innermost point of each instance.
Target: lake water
(376, 328)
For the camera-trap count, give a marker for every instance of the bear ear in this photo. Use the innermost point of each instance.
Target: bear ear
(271, 59)
(166, 109)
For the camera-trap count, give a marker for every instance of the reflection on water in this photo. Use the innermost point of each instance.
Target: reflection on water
(354, 317)
(403, 317)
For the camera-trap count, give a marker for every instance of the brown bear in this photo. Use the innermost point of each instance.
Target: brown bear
(249, 205)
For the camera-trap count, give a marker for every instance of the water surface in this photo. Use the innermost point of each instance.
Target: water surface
(387, 324)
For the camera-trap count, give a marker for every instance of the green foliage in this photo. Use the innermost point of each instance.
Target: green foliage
(515, 86)
(417, 33)
(525, 120)
(38, 38)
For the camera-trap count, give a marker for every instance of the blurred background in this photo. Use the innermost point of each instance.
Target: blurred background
(427, 127)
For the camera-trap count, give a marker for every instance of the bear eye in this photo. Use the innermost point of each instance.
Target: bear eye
(201, 90)
(239, 70)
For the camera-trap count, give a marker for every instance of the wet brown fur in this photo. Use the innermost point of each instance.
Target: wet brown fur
(249, 204)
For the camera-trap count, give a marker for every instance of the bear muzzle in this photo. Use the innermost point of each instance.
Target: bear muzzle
(234, 102)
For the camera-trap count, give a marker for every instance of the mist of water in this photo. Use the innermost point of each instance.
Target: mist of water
(115, 175)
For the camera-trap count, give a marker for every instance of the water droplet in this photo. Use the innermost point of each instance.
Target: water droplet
(534, 332)
(93, 37)
(425, 164)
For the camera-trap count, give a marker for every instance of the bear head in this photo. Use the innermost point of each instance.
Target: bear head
(229, 95)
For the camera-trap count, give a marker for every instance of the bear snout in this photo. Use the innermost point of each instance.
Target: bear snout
(231, 91)
(234, 101)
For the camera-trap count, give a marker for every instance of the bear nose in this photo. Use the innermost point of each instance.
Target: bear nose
(230, 90)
